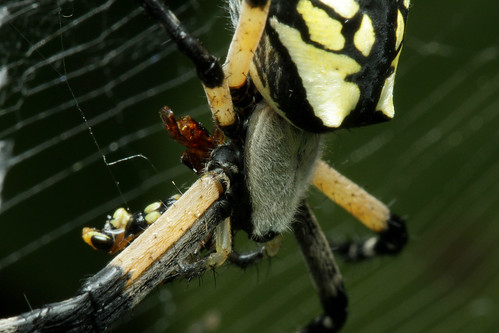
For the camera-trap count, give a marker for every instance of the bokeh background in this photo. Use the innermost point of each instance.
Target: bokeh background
(82, 80)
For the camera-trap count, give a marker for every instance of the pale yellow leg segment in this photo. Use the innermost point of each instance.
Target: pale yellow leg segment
(223, 239)
(248, 33)
(367, 209)
(244, 43)
(138, 257)
(221, 105)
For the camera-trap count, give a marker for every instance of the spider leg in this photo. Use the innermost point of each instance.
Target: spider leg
(268, 250)
(391, 229)
(223, 239)
(224, 251)
(325, 274)
(217, 80)
(209, 70)
(252, 19)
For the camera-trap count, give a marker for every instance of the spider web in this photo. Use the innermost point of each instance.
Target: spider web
(80, 86)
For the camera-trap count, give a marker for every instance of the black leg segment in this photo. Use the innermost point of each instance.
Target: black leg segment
(388, 242)
(209, 70)
(325, 274)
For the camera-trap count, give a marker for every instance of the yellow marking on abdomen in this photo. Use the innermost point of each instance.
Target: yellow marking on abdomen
(385, 102)
(364, 37)
(346, 8)
(323, 75)
(399, 33)
(322, 28)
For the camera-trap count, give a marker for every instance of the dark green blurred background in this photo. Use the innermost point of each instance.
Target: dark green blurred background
(436, 164)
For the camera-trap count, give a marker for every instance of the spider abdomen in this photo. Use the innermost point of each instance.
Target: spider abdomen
(325, 65)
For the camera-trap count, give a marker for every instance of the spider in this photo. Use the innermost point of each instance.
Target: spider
(295, 70)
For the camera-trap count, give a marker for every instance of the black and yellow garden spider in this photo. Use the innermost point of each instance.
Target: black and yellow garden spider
(295, 70)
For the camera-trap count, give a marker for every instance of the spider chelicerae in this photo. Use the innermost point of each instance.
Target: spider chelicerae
(294, 71)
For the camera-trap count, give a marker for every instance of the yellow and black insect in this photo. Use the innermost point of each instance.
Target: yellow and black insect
(122, 227)
(295, 70)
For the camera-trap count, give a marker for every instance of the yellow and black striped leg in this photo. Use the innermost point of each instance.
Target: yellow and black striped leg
(325, 274)
(208, 68)
(389, 241)
(217, 80)
(391, 229)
